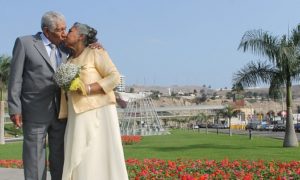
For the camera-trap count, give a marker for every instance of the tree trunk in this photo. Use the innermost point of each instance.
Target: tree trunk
(2, 114)
(1, 95)
(290, 138)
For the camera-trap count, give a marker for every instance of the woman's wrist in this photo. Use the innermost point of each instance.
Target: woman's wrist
(88, 89)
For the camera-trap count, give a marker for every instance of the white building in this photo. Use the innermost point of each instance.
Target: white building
(121, 86)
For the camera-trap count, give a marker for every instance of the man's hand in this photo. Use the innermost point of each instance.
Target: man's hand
(17, 120)
(96, 45)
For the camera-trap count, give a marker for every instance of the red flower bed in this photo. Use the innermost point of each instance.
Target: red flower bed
(211, 169)
(127, 140)
(150, 169)
(11, 163)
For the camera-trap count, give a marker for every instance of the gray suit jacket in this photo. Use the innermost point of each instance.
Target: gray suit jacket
(32, 91)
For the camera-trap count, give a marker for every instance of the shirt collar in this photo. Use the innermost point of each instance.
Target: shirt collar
(45, 40)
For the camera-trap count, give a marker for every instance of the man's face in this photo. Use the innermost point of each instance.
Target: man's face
(57, 35)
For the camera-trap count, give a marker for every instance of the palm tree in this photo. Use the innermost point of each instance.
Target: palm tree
(204, 118)
(217, 116)
(281, 68)
(4, 74)
(229, 112)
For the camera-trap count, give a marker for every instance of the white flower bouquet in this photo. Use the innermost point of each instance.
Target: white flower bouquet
(67, 77)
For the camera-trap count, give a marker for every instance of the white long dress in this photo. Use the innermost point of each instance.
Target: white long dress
(93, 147)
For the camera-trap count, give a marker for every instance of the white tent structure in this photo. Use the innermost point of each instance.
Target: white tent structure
(140, 118)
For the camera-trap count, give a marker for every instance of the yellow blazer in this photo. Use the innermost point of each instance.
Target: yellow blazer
(97, 67)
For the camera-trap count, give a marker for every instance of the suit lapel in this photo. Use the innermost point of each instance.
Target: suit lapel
(39, 45)
(64, 57)
(64, 53)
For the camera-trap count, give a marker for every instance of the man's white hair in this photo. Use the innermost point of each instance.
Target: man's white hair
(50, 20)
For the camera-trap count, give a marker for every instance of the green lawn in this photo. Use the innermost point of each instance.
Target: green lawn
(194, 145)
(11, 150)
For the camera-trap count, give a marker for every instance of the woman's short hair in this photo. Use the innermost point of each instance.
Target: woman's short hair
(89, 32)
(50, 19)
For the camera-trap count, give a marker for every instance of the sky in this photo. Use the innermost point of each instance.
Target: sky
(162, 42)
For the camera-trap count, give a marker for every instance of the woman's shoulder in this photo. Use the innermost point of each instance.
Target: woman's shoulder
(102, 53)
(96, 51)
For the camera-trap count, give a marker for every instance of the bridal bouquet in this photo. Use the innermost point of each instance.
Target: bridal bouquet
(67, 77)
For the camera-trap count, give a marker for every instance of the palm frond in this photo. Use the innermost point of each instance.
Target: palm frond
(254, 73)
(289, 61)
(275, 86)
(4, 68)
(295, 36)
(229, 111)
(260, 43)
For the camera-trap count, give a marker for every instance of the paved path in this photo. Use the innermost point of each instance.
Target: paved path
(14, 174)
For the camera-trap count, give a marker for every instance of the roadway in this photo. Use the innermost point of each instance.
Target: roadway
(272, 134)
(182, 108)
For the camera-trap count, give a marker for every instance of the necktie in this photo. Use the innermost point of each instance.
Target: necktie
(53, 56)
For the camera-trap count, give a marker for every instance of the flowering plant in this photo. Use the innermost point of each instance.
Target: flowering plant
(201, 169)
(211, 169)
(128, 140)
(67, 77)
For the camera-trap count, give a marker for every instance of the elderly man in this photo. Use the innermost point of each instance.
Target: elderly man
(33, 96)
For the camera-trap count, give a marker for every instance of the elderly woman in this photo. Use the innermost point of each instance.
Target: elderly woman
(93, 147)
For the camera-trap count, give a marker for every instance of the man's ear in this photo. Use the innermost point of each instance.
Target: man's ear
(46, 31)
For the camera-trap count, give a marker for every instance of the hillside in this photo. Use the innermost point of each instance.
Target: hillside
(258, 104)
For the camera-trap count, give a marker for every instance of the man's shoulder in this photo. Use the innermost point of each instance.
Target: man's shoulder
(29, 37)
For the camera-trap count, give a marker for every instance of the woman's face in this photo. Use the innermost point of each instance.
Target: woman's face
(73, 38)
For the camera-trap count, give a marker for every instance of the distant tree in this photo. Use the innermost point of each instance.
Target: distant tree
(214, 96)
(155, 94)
(264, 96)
(229, 95)
(4, 74)
(249, 94)
(173, 94)
(131, 90)
(237, 88)
(217, 116)
(255, 94)
(201, 99)
(204, 118)
(165, 120)
(229, 112)
(276, 95)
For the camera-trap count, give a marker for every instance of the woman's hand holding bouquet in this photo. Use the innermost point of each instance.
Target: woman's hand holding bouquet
(67, 77)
